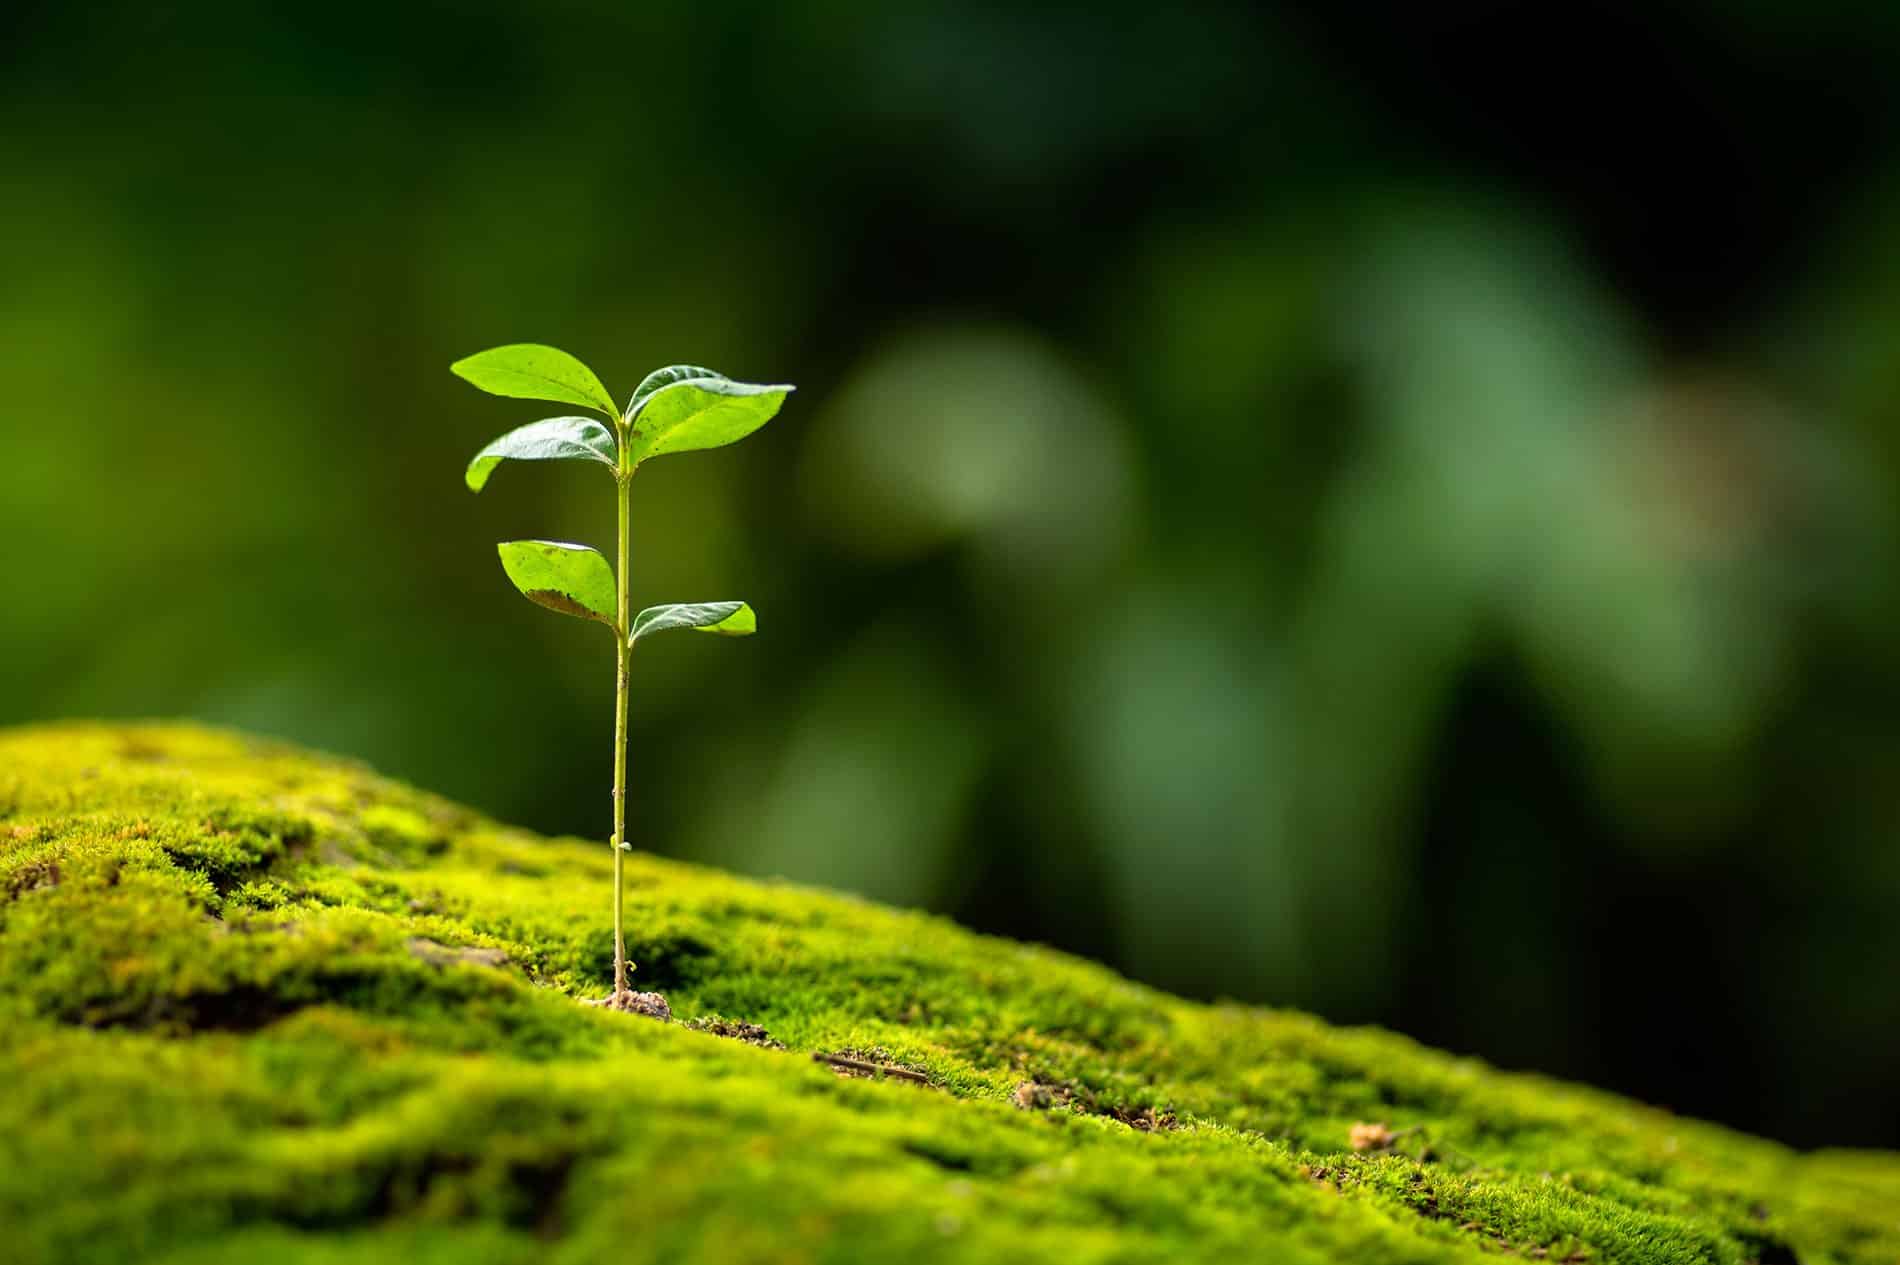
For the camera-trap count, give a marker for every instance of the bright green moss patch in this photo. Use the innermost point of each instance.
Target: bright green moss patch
(261, 1005)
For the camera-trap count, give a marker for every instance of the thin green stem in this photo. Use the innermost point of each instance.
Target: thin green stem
(623, 489)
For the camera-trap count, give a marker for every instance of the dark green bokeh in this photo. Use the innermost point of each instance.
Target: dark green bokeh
(1332, 510)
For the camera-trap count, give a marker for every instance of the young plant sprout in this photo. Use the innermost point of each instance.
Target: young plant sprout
(676, 409)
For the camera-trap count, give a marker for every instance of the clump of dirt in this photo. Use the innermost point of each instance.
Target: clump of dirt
(737, 1030)
(1370, 1137)
(1146, 1119)
(1379, 1138)
(33, 876)
(652, 1005)
(1037, 1096)
(1042, 1095)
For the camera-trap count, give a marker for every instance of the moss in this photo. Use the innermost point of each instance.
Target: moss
(261, 1005)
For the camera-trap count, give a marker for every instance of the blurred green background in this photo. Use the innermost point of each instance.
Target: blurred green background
(1386, 509)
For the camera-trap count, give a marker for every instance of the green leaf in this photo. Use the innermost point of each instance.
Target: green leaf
(554, 439)
(665, 378)
(728, 619)
(694, 413)
(571, 579)
(530, 371)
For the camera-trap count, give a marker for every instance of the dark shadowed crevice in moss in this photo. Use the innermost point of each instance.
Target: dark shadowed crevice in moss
(261, 1005)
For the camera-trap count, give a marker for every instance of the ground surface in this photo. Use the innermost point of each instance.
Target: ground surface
(261, 1005)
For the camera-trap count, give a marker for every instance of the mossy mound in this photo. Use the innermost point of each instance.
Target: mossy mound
(261, 1005)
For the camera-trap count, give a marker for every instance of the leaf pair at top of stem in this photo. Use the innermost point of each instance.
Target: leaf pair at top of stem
(680, 408)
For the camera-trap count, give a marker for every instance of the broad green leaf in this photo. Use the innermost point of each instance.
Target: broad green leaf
(572, 579)
(530, 371)
(696, 413)
(665, 378)
(555, 439)
(729, 619)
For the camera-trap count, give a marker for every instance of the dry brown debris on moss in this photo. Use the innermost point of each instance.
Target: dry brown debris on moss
(871, 1064)
(1370, 1137)
(1041, 1096)
(736, 1030)
(652, 1005)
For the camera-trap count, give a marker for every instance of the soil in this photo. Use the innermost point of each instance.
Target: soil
(652, 1005)
(737, 1030)
(1043, 1095)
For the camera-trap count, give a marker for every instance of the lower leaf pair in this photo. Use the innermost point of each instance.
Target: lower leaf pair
(576, 580)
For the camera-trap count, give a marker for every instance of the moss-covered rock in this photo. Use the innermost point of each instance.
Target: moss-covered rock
(261, 1005)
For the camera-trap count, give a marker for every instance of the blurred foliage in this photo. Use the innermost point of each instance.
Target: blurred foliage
(1305, 508)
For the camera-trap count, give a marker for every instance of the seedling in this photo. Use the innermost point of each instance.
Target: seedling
(680, 408)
